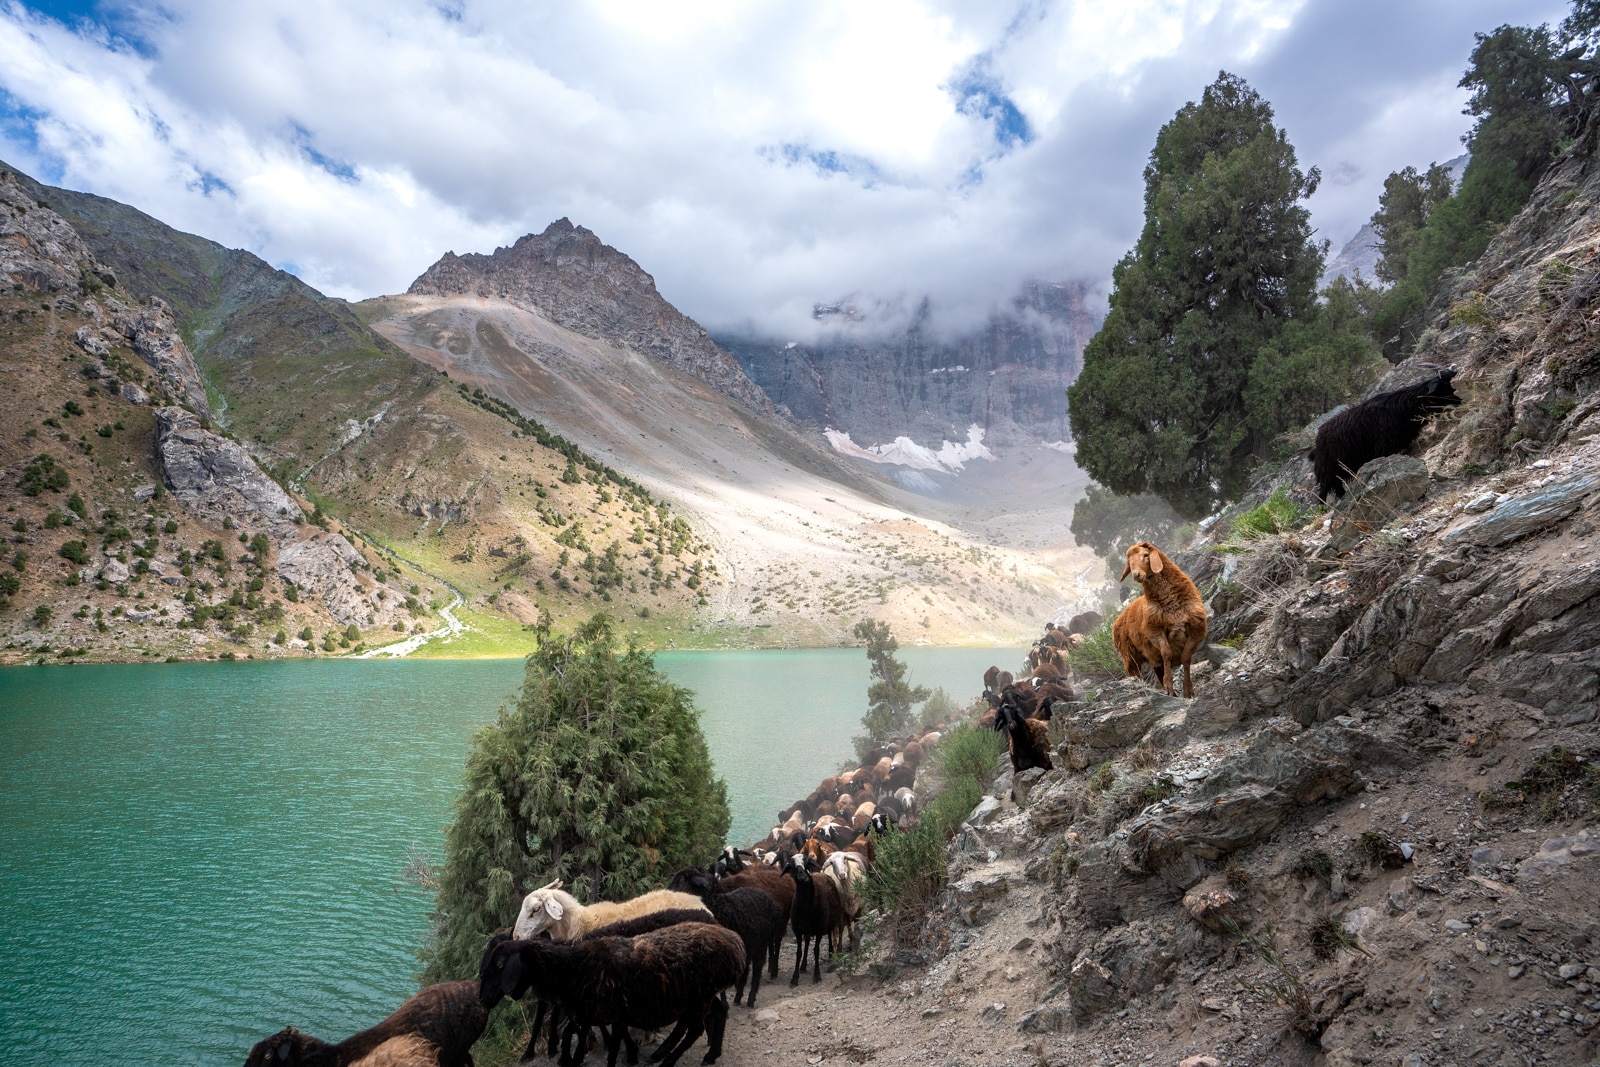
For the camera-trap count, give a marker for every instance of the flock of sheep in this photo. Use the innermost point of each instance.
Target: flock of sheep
(667, 958)
(663, 959)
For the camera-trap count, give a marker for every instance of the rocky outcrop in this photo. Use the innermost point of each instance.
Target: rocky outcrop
(38, 249)
(41, 250)
(215, 479)
(1006, 377)
(568, 275)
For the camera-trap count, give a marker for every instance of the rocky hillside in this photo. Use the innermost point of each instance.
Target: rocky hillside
(137, 529)
(1371, 837)
(573, 279)
(1008, 377)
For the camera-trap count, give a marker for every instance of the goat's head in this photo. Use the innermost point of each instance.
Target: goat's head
(540, 909)
(1144, 559)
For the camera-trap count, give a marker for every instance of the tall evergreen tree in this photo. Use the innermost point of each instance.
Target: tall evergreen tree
(1225, 260)
(1407, 201)
(889, 697)
(599, 776)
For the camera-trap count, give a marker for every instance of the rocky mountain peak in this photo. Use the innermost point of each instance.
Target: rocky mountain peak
(571, 277)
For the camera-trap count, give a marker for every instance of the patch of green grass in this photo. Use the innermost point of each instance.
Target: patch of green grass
(1278, 515)
(1098, 658)
(1102, 777)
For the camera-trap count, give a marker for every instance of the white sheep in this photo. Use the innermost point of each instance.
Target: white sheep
(847, 869)
(551, 908)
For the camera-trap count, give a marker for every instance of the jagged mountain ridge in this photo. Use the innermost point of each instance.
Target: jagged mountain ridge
(577, 281)
(1008, 377)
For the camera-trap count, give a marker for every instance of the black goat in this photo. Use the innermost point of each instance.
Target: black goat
(817, 912)
(1378, 426)
(673, 975)
(746, 910)
(1027, 739)
(437, 1026)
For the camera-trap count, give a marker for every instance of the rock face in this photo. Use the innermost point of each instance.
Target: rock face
(1007, 376)
(568, 275)
(215, 478)
(38, 249)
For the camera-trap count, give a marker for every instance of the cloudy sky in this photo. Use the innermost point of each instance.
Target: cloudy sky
(755, 157)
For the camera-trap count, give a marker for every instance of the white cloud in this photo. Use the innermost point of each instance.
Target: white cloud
(756, 158)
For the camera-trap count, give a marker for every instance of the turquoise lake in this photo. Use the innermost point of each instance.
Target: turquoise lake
(193, 856)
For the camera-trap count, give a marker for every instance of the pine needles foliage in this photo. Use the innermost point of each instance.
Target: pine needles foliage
(599, 776)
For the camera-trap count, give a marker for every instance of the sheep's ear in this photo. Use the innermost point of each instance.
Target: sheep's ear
(554, 909)
(283, 1050)
(1156, 565)
(1126, 567)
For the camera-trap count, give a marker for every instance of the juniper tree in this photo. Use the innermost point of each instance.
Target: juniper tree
(889, 697)
(1224, 262)
(599, 776)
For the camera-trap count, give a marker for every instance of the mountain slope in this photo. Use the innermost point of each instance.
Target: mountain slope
(570, 277)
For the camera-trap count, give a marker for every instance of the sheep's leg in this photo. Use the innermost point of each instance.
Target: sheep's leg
(613, 1038)
(1167, 675)
(538, 1030)
(772, 955)
(799, 958)
(755, 977)
(553, 1044)
(664, 1049)
(692, 1031)
(1188, 681)
(816, 959)
(631, 1045)
(716, 1028)
(744, 976)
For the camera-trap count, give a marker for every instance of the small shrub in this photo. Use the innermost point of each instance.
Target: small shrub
(42, 616)
(1101, 779)
(1327, 936)
(1312, 863)
(1475, 312)
(1278, 515)
(1284, 990)
(75, 551)
(1237, 876)
(1097, 657)
(968, 751)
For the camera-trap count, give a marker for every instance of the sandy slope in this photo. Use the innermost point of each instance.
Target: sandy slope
(806, 540)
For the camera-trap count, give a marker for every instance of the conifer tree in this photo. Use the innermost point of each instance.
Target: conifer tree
(889, 696)
(600, 776)
(1224, 262)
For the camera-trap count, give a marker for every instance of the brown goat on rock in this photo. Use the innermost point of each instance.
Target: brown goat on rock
(1172, 622)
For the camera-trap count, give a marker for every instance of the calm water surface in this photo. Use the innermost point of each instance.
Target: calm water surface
(194, 855)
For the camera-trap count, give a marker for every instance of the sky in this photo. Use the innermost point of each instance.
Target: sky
(756, 158)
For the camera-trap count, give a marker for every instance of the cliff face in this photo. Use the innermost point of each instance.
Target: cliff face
(1009, 376)
(568, 275)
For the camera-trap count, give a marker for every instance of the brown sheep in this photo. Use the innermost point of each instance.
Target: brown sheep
(1173, 617)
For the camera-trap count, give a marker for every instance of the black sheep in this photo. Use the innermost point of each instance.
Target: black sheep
(746, 910)
(673, 975)
(438, 1025)
(1378, 426)
(817, 911)
(1028, 739)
